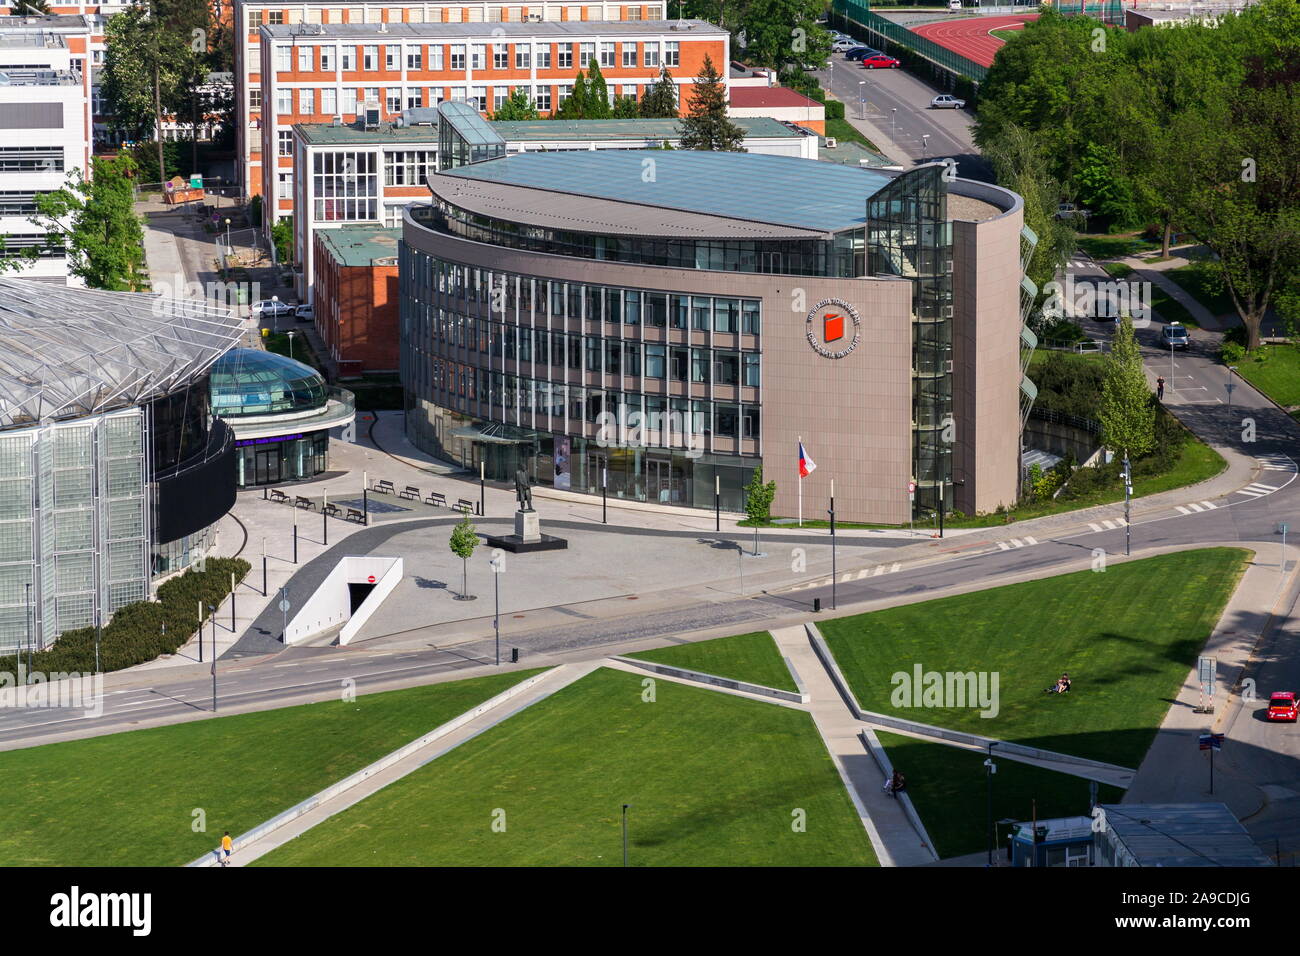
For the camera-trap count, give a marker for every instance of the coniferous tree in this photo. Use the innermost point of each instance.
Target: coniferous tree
(706, 125)
(660, 100)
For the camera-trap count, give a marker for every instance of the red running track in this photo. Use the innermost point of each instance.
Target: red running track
(971, 37)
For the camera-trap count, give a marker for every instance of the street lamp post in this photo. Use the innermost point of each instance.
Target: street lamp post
(625, 809)
(275, 313)
(1128, 495)
(833, 567)
(862, 99)
(291, 333)
(496, 611)
(228, 249)
(990, 768)
(893, 113)
(925, 145)
(1231, 369)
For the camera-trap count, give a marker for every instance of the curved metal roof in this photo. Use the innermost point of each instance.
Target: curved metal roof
(66, 352)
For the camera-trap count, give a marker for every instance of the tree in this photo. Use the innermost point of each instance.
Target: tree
(596, 104)
(96, 223)
(518, 106)
(282, 236)
(660, 99)
(463, 542)
(1128, 419)
(625, 107)
(706, 125)
(758, 501)
(783, 31)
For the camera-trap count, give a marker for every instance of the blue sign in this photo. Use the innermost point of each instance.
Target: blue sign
(266, 441)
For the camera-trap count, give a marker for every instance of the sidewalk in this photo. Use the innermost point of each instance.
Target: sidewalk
(895, 840)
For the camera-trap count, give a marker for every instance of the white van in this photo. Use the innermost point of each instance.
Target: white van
(954, 4)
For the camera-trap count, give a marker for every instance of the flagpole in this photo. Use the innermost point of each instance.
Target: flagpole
(799, 472)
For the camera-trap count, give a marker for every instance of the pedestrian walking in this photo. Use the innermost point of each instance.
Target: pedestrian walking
(1160, 389)
(227, 847)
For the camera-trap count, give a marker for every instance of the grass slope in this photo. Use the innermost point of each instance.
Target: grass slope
(712, 780)
(948, 788)
(1127, 636)
(1275, 371)
(748, 657)
(127, 799)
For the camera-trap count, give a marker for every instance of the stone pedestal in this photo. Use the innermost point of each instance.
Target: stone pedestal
(527, 527)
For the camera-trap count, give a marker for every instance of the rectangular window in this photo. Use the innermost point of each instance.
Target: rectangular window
(274, 16)
(349, 101)
(254, 20)
(751, 365)
(522, 57)
(586, 52)
(700, 366)
(458, 57)
(679, 307)
(393, 99)
(726, 368)
(726, 315)
(415, 58)
(370, 58)
(672, 53)
(656, 361)
(543, 99)
(750, 323)
(565, 91)
(304, 59)
(349, 58)
(499, 94)
(701, 312)
(750, 421)
(327, 58)
(629, 54)
(651, 49)
(564, 56)
(307, 102)
(656, 309)
(679, 363)
(544, 57)
(607, 54)
(284, 102)
(634, 13)
(632, 307)
(478, 56)
(254, 99)
(392, 58)
(435, 58)
(501, 57)
(414, 98)
(329, 101)
(283, 59)
(727, 422)
(286, 142)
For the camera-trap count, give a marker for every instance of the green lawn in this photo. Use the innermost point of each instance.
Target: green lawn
(748, 657)
(278, 342)
(713, 780)
(842, 129)
(949, 789)
(1112, 247)
(1275, 371)
(1005, 35)
(1197, 281)
(127, 799)
(1127, 637)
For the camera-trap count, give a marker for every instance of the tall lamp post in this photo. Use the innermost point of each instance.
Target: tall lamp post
(1128, 498)
(625, 809)
(862, 99)
(498, 566)
(834, 575)
(990, 768)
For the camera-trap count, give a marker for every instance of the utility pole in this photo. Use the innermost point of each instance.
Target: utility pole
(1128, 494)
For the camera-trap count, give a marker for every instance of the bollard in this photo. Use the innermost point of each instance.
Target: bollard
(514, 655)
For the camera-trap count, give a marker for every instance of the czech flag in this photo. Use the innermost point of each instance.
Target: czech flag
(806, 465)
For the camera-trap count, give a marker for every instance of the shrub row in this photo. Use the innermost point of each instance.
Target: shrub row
(136, 633)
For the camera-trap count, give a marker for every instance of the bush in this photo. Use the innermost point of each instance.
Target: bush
(136, 633)
(1230, 353)
(834, 110)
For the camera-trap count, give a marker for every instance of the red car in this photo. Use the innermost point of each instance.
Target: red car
(879, 62)
(1282, 706)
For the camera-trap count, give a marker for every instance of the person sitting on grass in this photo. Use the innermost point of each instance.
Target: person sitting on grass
(1062, 686)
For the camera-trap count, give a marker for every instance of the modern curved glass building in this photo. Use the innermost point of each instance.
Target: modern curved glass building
(113, 469)
(281, 411)
(661, 321)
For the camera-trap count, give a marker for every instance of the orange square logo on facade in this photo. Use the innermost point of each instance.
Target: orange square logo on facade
(833, 327)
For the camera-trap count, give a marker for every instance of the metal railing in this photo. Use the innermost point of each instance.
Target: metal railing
(857, 12)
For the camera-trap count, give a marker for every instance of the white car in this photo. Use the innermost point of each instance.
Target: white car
(271, 308)
(304, 313)
(843, 44)
(945, 102)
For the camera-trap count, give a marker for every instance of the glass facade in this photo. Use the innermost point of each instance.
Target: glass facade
(909, 235)
(254, 382)
(269, 461)
(653, 391)
(74, 525)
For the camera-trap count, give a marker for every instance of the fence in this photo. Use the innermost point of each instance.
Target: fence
(856, 12)
(1110, 12)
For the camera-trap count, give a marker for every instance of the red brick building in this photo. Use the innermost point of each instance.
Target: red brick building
(355, 278)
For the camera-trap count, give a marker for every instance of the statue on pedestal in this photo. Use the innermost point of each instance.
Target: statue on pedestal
(523, 490)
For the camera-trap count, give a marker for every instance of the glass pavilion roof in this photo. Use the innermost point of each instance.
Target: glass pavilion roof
(254, 382)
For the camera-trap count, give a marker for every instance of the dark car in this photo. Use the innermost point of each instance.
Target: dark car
(1175, 336)
(859, 53)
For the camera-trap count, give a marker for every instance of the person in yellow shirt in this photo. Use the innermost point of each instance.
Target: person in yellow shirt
(227, 847)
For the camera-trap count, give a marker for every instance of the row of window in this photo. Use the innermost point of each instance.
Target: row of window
(525, 401)
(505, 293)
(348, 101)
(500, 342)
(478, 56)
(458, 14)
(31, 159)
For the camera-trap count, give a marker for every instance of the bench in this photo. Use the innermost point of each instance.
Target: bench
(300, 502)
(437, 499)
(278, 495)
(357, 516)
(463, 506)
(411, 493)
(331, 510)
(384, 486)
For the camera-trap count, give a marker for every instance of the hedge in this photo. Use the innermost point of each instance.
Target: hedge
(135, 634)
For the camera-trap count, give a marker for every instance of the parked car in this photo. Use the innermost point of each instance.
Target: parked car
(1068, 210)
(879, 62)
(271, 308)
(954, 4)
(304, 313)
(1282, 706)
(945, 102)
(1175, 336)
(844, 43)
(861, 53)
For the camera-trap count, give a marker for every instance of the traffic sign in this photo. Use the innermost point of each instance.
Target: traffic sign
(1210, 741)
(370, 579)
(911, 487)
(284, 605)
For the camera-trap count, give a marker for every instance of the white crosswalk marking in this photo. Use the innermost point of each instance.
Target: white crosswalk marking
(1003, 546)
(1208, 505)
(1120, 522)
(1196, 507)
(1109, 525)
(895, 568)
(1184, 511)
(1276, 462)
(1094, 526)
(1029, 540)
(880, 569)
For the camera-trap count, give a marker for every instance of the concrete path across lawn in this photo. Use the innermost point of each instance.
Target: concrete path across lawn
(895, 840)
(548, 684)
